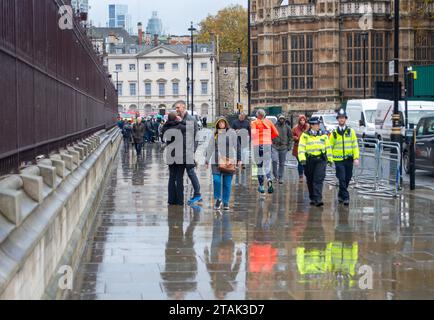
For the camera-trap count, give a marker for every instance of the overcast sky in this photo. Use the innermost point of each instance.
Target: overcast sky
(176, 14)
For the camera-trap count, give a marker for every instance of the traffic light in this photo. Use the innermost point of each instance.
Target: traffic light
(240, 107)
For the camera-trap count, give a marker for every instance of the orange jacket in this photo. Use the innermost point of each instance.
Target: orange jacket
(263, 132)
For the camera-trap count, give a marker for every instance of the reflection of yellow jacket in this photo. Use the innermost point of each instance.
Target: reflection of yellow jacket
(337, 257)
(311, 262)
(342, 257)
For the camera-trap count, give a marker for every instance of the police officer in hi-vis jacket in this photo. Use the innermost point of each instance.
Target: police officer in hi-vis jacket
(314, 152)
(346, 154)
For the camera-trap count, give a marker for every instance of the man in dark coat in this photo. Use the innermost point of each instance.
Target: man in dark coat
(138, 133)
(242, 123)
(176, 170)
(280, 148)
(189, 150)
(127, 133)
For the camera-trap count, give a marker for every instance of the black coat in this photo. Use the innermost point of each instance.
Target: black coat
(174, 125)
(238, 125)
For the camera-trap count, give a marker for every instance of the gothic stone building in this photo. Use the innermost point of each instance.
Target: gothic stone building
(308, 54)
(227, 85)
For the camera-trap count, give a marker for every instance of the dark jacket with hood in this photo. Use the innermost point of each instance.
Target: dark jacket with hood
(283, 141)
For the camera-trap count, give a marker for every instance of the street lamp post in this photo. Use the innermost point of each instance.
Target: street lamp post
(364, 37)
(188, 80)
(117, 84)
(192, 29)
(396, 118)
(212, 86)
(239, 78)
(396, 130)
(249, 84)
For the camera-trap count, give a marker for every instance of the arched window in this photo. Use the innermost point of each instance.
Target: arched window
(133, 107)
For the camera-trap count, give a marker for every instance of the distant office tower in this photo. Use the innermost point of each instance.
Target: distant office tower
(80, 5)
(155, 26)
(119, 17)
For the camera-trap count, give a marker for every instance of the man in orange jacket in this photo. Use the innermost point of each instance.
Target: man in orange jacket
(263, 133)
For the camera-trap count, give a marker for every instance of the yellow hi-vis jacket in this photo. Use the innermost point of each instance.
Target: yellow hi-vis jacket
(314, 145)
(345, 146)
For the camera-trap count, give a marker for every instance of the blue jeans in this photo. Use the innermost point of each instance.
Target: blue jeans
(191, 172)
(263, 163)
(223, 181)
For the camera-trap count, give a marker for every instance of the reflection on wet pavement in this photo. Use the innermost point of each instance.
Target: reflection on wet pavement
(274, 247)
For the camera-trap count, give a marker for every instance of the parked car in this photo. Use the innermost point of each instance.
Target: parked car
(383, 119)
(361, 116)
(424, 146)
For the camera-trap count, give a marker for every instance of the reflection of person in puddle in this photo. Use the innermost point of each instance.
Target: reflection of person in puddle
(343, 253)
(180, 270)
(311, 252)
(220, 264)
(262, 257)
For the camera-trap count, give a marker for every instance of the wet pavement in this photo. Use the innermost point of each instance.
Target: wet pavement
(270, 247)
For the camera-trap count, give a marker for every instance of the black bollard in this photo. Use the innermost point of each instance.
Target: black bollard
(413, 161)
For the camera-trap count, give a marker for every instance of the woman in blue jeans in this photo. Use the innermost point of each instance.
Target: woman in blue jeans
(225, 146)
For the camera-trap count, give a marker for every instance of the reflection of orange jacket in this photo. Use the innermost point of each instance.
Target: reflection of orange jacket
(263, 132)
(262, 258)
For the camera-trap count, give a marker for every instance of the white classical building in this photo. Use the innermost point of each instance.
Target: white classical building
(151, 79)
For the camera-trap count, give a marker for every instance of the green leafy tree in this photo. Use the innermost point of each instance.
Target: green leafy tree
(230, 25)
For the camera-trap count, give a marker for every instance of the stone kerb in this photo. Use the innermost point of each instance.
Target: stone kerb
(23, 194)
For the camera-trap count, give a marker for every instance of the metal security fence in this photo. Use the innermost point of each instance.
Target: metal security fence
(379, 173)
(53, 87)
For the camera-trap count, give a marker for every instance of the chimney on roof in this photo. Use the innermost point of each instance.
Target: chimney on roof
(156, 40)
(140, 28)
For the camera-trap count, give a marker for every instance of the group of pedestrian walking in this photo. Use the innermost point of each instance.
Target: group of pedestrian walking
(270, 144)
(140, 131)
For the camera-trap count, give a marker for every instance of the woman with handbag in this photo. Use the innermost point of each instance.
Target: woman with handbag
(226, 154)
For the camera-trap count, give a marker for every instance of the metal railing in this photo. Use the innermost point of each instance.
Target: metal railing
(54, 87)
(379, 172)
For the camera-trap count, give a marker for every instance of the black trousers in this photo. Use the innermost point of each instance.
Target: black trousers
(344, 173)
(176, 184)
(315, 171)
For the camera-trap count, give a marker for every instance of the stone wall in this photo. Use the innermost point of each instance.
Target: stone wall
(45, 214)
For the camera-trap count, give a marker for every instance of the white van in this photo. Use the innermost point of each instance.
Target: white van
(383, 119)
(361, 116)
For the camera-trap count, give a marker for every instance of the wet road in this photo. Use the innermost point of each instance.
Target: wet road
(272, 247)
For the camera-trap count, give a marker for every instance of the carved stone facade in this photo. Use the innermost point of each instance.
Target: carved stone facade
(308, 54)
(227, 87)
